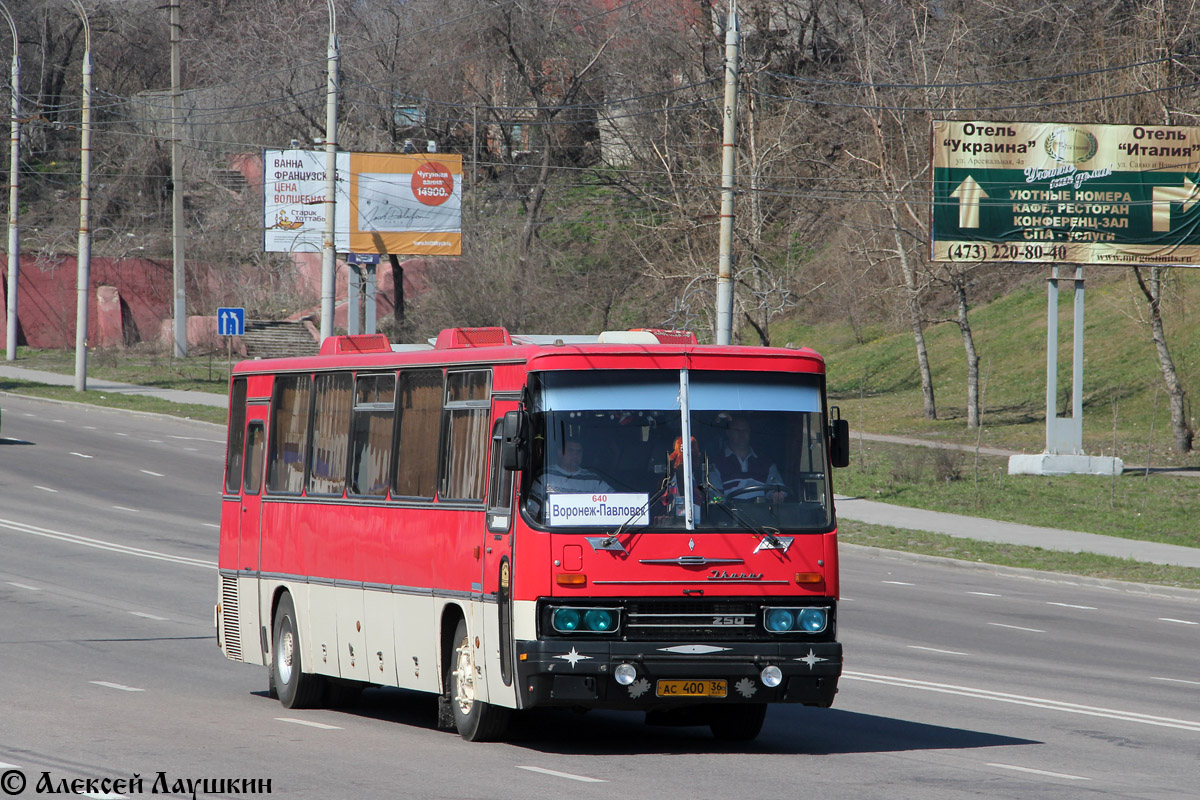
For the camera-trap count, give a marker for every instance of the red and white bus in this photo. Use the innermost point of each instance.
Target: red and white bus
(503, 521)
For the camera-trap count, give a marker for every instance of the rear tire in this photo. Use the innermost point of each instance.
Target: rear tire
(475, 720)
(296, 688)
(738, 723)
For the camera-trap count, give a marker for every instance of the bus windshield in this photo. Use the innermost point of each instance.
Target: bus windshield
(608, 452)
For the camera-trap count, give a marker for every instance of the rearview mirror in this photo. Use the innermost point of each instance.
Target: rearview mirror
(839, 443)
(514, 449)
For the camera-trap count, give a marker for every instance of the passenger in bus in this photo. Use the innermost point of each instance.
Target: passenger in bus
(740, 472)
(672, 500)
(569, 475)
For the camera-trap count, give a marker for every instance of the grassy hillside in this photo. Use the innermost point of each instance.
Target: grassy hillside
(877, 386)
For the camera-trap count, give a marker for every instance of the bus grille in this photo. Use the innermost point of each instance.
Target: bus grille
(231, 631)
(694, 620)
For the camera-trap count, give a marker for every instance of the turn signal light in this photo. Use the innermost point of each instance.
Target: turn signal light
(809, 577)
(570, 579)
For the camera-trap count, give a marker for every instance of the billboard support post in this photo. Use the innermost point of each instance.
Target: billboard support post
(1064, 454)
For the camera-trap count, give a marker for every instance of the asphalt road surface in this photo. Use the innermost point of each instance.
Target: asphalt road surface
(958, 683)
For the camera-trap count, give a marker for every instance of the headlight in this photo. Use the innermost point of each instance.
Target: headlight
(780, 620)
(814, 620)
(584, 619)
(566, 620)
(600, 620)
(795, 620)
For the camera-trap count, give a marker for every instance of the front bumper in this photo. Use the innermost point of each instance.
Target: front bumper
(579, 673)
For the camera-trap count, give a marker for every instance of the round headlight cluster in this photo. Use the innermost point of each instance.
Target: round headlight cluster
(786, 620)
(590, 620)
(566, 620)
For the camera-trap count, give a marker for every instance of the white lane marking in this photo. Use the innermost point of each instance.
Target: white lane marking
(24, 586)
(935, 650)
(115, 433)
(192, 449)
(155, 441)
(197, 439)
(28, 414)
(21, 527)
(899, 583)
(1022, 700)
(2, 764)
(81, 455)
(986, 594)
(89, 427)
(46, 489)
(555, 773)
(1068, 605)
(210, 525)
(61, 420)
(1180, 621)
(1177, 680)
(309, 724)
(108, 685)
(123, 508)
(1016, 627)
(1062, 775)
(155, 474)
(148, 616)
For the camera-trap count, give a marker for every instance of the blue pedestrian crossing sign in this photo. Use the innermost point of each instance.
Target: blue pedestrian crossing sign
(231, 321)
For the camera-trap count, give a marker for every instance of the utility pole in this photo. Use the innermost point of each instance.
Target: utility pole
(178, 223)
(14, 180)
(728, 151)
(329, 250)
(83, 277)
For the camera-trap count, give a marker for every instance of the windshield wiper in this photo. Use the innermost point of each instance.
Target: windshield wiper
(608, 542)
(770, 534)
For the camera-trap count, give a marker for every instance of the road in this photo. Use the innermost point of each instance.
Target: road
(959, 682)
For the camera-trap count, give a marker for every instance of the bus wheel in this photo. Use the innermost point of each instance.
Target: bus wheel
(476, 720)
(296, 688)
(738, 723)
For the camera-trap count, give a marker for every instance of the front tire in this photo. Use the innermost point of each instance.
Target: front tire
(295, 687)
(475, 720)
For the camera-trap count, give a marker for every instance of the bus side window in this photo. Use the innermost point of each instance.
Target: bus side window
(331, 433)
(256, 440)
(464, 457)
(371, 434)
(235, 440)
(289, 433)
(418, 407)
(500, 486)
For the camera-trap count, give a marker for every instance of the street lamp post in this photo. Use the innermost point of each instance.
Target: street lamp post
(329, 249)
(724, 308)
(14, 180)
(83, 276)
(178, 223)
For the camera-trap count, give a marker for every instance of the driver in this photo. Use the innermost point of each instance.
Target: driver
(742, 472)
(569, 474)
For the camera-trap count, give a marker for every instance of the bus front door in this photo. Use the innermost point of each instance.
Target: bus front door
(498, 557)
(249, 531)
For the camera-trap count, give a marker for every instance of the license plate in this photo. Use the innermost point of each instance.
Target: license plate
(692, 689)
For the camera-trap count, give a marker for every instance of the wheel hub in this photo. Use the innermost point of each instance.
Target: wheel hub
(464, 681)
(285, 657)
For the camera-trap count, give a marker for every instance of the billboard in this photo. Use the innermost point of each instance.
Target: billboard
(404, 204)
(1062, 193)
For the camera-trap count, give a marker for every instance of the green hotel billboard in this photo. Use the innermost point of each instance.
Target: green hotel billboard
(1060, 193)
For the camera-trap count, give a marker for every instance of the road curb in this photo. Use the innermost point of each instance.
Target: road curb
(1129, 587)
(155, 414)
